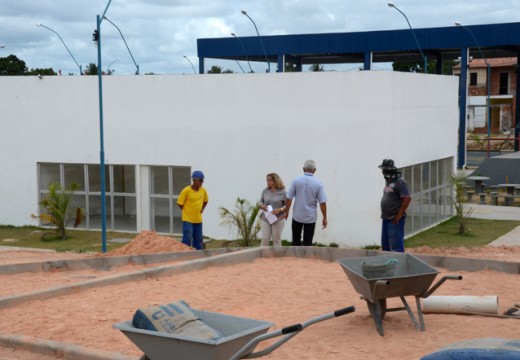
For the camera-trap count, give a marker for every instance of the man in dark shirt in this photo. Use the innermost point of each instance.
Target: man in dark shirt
(395, 201)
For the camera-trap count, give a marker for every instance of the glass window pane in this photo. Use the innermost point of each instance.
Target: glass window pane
(160, 215)
(159, 180)
(74, 173)
(125, 213)
(416, 183)
(94, 214)
(124, 178)
(49, 173)
(425, 176)
(181, 178)
(94, 178)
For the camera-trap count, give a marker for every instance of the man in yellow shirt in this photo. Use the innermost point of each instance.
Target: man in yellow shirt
(192, 200)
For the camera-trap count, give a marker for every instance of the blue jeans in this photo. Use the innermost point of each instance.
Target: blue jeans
(192, 235)
(392, 235)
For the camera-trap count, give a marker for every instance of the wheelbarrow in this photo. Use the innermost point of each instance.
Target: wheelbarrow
(239, 340)
(405, 275)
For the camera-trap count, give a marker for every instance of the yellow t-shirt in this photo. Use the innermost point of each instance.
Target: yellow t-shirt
(192, 202)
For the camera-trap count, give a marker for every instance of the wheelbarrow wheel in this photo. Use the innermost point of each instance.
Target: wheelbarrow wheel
(372, 308)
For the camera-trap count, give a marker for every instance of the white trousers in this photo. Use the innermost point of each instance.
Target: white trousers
(272, 232)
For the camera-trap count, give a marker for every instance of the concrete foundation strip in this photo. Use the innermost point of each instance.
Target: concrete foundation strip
(58, 349)
(68, 351)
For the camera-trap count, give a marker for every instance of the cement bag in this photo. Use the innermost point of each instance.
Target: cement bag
(175, 318)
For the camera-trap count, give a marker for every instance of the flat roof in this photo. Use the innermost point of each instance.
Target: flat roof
(446, 43)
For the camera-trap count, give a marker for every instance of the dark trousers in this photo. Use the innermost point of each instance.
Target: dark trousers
(308, 233)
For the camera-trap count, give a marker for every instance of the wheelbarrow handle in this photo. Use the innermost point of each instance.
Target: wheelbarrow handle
(440, 282)
(289, 332)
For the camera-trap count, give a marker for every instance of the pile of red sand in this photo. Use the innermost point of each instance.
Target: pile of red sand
(149, 242)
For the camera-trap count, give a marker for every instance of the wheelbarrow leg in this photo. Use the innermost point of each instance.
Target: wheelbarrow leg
(410, 313)
(419, 312)
(377, 314)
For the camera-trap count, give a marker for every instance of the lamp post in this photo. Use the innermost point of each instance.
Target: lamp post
(244, 50)
(193, 67)
(120, 33)
(109, 65)
(96, 37)
(488, 97)
(415, 37)
(63, 42)
(260, 39)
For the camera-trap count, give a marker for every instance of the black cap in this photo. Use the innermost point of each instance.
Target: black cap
(387, 164)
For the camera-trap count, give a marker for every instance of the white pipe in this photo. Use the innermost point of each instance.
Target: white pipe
(460, 304)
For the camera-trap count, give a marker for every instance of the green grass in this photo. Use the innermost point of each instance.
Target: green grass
(77, 240)
(479, 232)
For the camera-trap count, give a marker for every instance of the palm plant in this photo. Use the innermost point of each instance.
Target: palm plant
(458, 182)
(244, 218)
(58, 211)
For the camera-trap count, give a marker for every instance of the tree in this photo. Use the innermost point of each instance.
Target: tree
(58, 211)
(316, 67)
(244, 219)
(91, 69)
(11, 65)
(215, 69)
(38, 71)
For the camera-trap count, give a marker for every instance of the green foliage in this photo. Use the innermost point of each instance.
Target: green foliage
(38, 71)
(316, 67)
(458, 182)
(11, 65)
(244, 218)
(91, 69)
(58, 211)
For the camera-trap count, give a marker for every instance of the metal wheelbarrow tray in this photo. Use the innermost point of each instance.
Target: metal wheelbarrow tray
(412, 277)
(240, 337)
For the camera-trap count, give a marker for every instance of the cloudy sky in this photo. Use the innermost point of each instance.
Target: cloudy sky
(160, 33)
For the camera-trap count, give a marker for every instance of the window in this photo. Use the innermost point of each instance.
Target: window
(166, 183)
(473, 78)
(431, 190)
(504, 83)
(120, 192)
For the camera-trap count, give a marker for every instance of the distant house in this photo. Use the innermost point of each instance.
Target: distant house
(502, 94)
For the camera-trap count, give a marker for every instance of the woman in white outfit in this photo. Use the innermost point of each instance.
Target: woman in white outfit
(272, 202)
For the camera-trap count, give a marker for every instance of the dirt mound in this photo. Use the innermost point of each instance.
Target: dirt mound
(149, 242)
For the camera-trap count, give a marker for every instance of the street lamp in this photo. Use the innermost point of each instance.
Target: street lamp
(109, 65)
(260, 39)
(136, 66)
(96, 37)
(66, 47)
(415, 37)
(488, 99)
(193, 67)
(244, 50)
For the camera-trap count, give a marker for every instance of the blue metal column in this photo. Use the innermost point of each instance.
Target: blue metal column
(368, 61)
(463, 81)
(517, 106)
(280, 66)
(201, 65)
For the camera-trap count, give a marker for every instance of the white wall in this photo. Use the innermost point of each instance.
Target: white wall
(236, 128)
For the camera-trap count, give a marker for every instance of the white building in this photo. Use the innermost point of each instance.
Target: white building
(236, 128)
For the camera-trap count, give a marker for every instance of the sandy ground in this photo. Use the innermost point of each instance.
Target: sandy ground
(280, 290)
